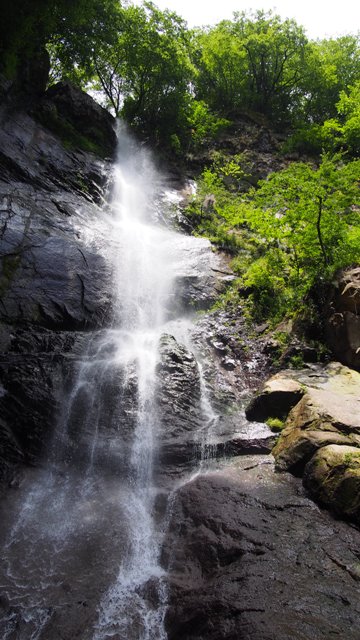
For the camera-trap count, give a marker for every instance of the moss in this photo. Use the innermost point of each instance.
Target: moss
(352, 460)
(276, 425)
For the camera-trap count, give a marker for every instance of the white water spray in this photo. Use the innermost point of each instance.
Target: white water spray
(134, 606)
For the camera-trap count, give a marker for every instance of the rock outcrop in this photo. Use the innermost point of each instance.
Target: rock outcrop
(179, 402)
(71, 112)
(327, 415)
(333, 477)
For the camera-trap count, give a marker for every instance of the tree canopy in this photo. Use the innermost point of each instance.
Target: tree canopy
(176, 84)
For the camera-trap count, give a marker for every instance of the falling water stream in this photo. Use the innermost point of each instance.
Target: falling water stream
(80, 558)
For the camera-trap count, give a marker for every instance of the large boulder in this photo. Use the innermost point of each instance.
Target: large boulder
(343, 322)
(251, 558)
(276, 397)
(328, 413)
(333, 477)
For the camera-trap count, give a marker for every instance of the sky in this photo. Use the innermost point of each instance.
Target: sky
(321, 18)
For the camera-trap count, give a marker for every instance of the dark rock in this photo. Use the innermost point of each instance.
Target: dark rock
(343, 318)
(72, 107)
(179, 400)
(33, 366)
(251, 558)
(47, 217)
(53, 279)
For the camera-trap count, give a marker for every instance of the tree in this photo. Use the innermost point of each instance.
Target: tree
(331, 67)
(312, 214)
(253, 62)
(274, 51)
(221, 68)
(349, 113)
(70, 30)
(146, 75)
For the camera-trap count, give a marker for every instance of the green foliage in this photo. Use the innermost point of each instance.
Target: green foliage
(70, 29)
(340, 133)
(180, 88)
(252, 62)
(289, 235)
(330, 67)
(145, 76)
(204, 125)
(275, 424)
(309, 212)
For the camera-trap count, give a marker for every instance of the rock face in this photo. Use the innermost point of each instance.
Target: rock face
(49, 255)
(326, 416)
(63, 103)
(343, 323)
(179, 401)
(251, 558)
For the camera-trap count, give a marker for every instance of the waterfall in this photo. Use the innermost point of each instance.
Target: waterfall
(143, 281)
(82, 551)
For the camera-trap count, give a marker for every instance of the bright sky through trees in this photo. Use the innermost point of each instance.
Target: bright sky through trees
(320, 18)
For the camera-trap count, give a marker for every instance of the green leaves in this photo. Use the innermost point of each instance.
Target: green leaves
(292, 232)
(253, 62)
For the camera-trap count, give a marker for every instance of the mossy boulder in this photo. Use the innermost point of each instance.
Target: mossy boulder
(310, 425)
(333, 478)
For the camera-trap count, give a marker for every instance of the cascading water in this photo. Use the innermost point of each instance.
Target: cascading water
(81, 555)
(143, 283)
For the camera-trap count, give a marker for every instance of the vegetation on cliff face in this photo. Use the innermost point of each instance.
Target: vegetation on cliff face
(288, 234)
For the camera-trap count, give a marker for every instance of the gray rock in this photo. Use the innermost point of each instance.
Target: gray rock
(179, 401)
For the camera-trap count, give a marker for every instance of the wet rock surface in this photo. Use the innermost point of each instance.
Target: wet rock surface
(53, 277)
(251, 557)
(179, 401)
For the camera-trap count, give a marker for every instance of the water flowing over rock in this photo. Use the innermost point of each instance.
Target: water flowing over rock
(133, 509)
(50, 239)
